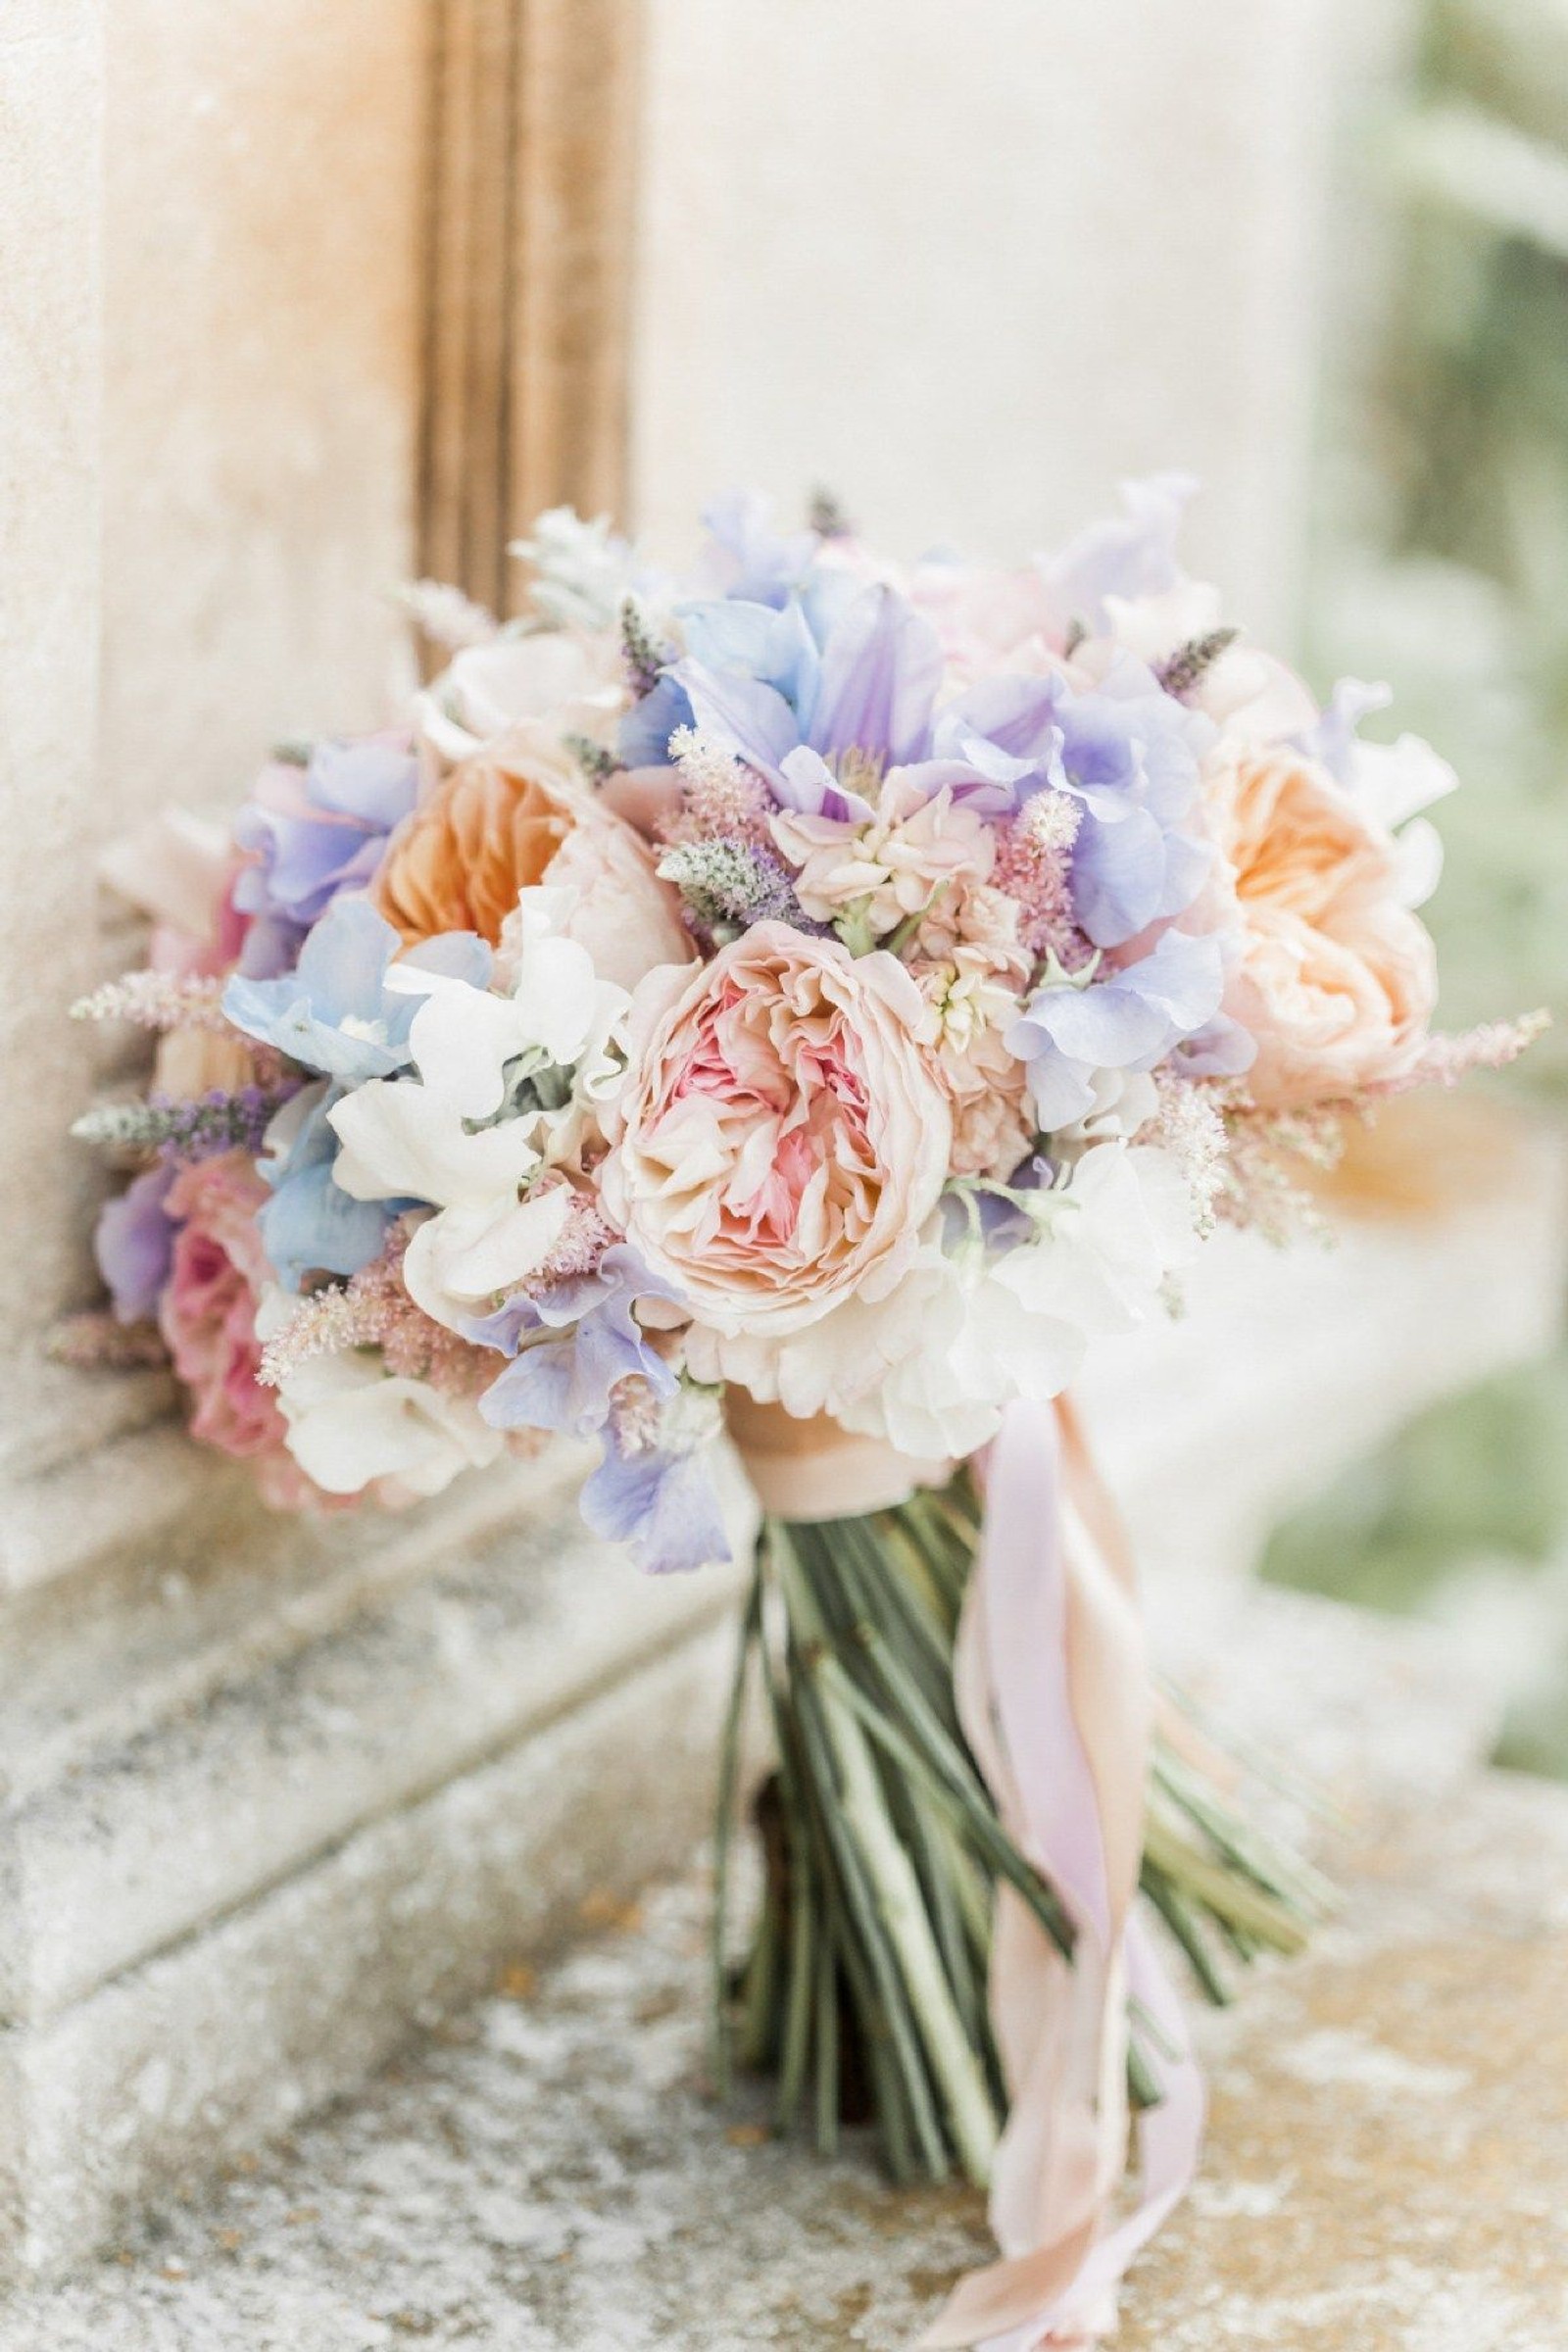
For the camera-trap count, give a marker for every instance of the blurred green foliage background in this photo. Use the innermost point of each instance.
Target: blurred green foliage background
(1441, 565)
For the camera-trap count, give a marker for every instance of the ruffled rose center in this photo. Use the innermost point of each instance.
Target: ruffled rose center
(769, 1125)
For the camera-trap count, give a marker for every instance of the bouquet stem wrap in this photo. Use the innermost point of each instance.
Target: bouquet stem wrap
(1055, 1699)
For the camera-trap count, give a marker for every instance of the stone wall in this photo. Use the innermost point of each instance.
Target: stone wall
(969, 266)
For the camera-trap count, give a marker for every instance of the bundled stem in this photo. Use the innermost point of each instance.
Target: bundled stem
(863, 1988)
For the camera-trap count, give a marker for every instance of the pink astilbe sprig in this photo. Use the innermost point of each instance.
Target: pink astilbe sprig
(578, 1250)
(721, 800)
(1033, 866)
(374, 1309)
(160, 1001)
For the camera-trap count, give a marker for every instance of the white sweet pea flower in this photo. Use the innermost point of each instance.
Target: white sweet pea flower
(350, 1423)
(973, 1324)
(506, 1088)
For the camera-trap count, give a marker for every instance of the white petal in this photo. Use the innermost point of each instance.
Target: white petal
(459, 1261)
(401, 1140)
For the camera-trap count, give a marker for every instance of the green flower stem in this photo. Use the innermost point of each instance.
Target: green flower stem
(948, 2047)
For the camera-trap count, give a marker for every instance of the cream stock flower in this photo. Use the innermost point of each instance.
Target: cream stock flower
(783, 1140)
(968, 1014)
(913, 846)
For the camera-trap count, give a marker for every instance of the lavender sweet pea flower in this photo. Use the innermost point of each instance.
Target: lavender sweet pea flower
(868, 683)
(1336, 739)
(1132, 556)
(746, 556)
(314, 832)
(663, 1502)
(1221, 1049)
(1128, 1021)
(567, 1381)
(334, 1012)
(133, 1243)
(1125, 751)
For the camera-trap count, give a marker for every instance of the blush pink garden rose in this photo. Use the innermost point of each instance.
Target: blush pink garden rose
(1337, 978)
(207, 1319)
(783, 1139)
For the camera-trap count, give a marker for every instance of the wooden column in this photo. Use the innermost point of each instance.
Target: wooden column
(533, 124)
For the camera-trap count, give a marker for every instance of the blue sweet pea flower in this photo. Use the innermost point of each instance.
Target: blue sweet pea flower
(334, 1012)
(565, 1381)
(311, 1225)
(1131, 1020)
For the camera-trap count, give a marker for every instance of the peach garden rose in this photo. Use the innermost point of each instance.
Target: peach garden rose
(1337, 978)
(508, 820)
(783, 1140)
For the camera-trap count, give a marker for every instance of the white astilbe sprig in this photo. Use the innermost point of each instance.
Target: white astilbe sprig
(1444, 1059)
(1191, 1126)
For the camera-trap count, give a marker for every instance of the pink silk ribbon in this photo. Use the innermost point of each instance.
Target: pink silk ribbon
(1053, 1692)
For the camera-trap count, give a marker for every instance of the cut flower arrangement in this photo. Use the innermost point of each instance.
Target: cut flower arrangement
(804, 1002)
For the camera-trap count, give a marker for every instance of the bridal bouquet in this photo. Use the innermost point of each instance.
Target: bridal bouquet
(808, 1001)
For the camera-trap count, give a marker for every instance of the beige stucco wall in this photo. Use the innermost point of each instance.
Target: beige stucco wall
(208, 418)
(262, 216)
(970, 265)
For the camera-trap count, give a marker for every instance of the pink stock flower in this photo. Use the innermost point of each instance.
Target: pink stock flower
(207, 1319)
(782, 1139)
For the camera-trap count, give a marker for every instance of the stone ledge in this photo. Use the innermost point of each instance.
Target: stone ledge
(1387, 2164)
(236, 2032)
(409, 1684)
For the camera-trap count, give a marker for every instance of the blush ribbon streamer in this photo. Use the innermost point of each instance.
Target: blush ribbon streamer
(1054, 1695)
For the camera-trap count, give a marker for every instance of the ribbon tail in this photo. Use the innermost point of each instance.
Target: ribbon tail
(1054, 1689)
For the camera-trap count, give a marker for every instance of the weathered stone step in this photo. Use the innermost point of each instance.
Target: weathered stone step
(1387, 2164)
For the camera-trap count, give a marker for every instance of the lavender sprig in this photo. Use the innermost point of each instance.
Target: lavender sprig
(1188, 663)
(198, 1129)
(640, 650)
(728, 884)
